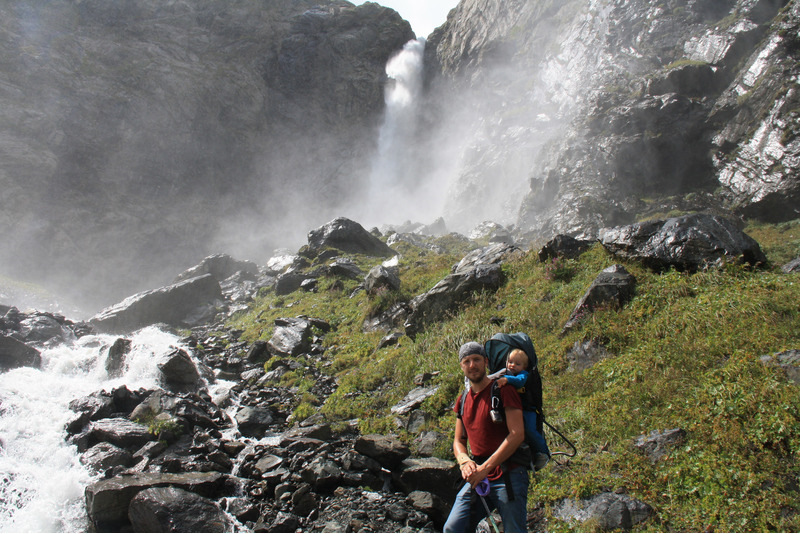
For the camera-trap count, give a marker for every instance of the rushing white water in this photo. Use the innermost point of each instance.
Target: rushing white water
(397, 189)
(42, 479)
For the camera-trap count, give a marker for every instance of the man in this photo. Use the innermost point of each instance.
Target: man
(492, 445)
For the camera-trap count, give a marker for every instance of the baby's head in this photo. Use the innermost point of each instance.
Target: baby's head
(517, 361)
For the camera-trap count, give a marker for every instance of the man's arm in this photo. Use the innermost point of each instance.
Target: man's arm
(465, 463)
(516, 434)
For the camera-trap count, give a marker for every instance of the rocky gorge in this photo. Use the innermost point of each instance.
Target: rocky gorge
(142, 137)
(174, 458)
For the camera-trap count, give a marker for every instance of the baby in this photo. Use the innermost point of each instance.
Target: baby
(516, 374)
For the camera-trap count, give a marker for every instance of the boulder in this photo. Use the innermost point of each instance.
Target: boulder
(386, 450)
(429, 503)
(104, 456)
(41, 327)
(173, 305)
(172, 509)
(613, 287)
(612, 511)
(382, 278)
(253, 421)
(347, 236)
(14, 353)
(121, 432)
(452, 291)
(346, 268)
(179, 369)
(687, 243)
(289, 282)
(115, 358)
(564, 246)
(108, 500)
(292, 336)
(413, 399)
(438, 476)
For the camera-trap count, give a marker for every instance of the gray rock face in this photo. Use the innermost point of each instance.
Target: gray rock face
(173, 305)
(15, 353)
(608, 125)
(686, 243)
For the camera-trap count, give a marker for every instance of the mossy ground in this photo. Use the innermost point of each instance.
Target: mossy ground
(686, 355)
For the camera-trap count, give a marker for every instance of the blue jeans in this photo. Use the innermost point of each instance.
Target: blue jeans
(468, 510)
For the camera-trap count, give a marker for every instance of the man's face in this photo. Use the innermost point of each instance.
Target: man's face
(474, 367)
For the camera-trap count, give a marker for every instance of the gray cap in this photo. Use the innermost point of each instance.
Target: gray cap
(470, 348)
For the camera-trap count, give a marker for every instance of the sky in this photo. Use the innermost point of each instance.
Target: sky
(423, 15)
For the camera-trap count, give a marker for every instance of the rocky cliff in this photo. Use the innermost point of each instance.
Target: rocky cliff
(603, 112)
(139, 134)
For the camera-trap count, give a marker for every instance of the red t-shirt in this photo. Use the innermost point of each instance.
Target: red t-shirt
(485, 436)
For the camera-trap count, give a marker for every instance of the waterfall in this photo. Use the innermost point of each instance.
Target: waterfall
(397, 188)
(42, 478)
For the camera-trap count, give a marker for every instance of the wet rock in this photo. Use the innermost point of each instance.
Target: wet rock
(253, 421)
(612, 511)
(179, 369)
(107, 501)
(14, 353)
(173, 305)
(115, 358)
(347, 236)
(173, 509)
(41, 327)
(613, 288)
(104, 456)
(657, 444)
(120, 432)
(687, 243)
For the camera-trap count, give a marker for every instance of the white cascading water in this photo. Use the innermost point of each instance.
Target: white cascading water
(43, 481)
(395, 183)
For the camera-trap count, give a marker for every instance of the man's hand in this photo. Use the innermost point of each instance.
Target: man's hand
(468, 470)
